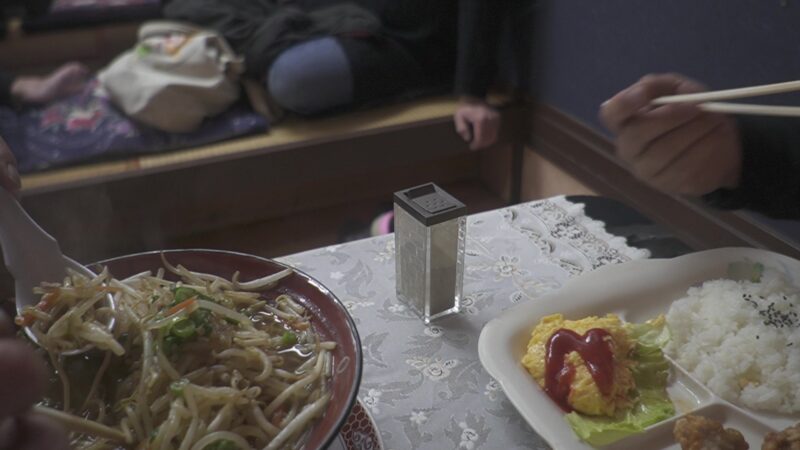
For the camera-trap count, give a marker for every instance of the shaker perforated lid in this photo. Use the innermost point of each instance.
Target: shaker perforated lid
(429, 204)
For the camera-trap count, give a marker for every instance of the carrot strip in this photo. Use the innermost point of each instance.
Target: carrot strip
(48, 301)
(25, 320)
(188, 303)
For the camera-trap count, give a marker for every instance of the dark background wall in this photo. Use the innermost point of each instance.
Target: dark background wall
(586, 50)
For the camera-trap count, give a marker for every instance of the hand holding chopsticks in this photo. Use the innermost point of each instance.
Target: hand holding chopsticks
(709, 101)
(676, 148)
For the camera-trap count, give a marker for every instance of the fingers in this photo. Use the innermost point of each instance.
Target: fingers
(686, 174)
(642, 129)
(478, 124)
(659, 154)
(462, 127)
(479, 137)
(37, 432)
(487, 136)
(23, 377)
(717, 163)
(615, 112)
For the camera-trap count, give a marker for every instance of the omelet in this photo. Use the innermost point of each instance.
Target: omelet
(584, 394)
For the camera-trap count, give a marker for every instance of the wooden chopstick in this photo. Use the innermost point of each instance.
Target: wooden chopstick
(728, 94)
(81, 425)
(744, 108)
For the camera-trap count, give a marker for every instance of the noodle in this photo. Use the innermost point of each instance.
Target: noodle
(187, 364)
(55, 361)
(262, 283)
(96, 382)
(133, 420)
(249, 430)
(222, 416)
(222, 435)
(298, 422)
(262, 421)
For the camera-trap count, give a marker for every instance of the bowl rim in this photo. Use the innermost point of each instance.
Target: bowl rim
(353, 394)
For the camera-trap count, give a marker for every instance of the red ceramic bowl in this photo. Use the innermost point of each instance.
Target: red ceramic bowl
(329, 317)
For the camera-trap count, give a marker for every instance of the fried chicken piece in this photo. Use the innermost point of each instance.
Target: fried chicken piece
(788, 439)
(700, 433)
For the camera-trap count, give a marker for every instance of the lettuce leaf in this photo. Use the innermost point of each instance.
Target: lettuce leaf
(653, 404)
(652, 407)
(653, 333)
(652, 369)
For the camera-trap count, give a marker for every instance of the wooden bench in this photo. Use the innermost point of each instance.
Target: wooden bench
(150, 202)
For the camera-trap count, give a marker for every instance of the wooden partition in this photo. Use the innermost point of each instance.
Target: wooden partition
(148, 202)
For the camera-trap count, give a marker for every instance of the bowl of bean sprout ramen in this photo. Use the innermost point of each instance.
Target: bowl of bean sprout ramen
(211, 350)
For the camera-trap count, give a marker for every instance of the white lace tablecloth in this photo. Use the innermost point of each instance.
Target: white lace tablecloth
(424, 385)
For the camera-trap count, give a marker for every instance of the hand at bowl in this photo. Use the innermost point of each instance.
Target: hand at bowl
(22, 381)
(676, 148)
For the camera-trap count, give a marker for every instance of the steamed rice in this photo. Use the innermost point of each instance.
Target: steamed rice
(742, 340)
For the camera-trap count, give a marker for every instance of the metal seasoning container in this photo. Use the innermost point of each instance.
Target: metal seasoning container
(430, 230)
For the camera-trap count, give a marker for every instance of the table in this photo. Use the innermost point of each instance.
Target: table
(425, 385)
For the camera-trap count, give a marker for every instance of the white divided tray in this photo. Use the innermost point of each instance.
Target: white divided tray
(636, 291)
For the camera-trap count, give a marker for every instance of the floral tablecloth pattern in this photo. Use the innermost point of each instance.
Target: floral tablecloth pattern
(425, 385)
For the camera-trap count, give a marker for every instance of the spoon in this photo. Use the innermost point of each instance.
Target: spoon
(33, 256)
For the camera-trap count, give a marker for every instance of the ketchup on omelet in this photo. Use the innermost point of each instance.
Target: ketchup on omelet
(595, 349)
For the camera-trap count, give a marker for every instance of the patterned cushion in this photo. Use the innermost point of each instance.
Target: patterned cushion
(86, 127)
